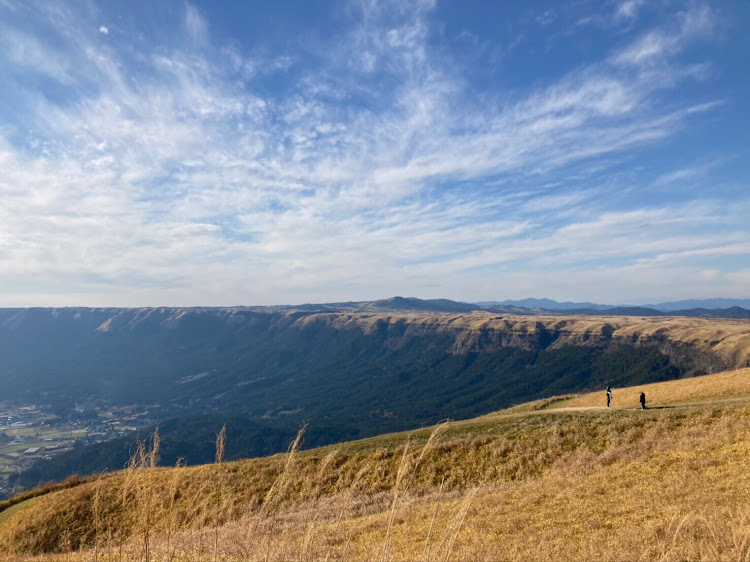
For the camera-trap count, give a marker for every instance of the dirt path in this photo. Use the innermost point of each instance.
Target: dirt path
(558, 407)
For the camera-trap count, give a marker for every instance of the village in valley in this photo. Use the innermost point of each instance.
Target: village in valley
(30, 432)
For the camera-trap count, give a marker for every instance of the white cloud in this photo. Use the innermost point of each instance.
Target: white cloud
(692, 24)
(196, 25)
(547, 17)
(678, 176)
(628, 9)
(28, 52)
(103, 30)
(182, 184)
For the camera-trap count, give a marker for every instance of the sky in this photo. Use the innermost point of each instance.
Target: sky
(254, 153)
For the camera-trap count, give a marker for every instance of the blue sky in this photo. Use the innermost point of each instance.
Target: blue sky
(168, 153)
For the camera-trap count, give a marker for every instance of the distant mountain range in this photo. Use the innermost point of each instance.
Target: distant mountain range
(709, 308)
(672, 306)
(734, 312)
(700, 303)
(547, 304)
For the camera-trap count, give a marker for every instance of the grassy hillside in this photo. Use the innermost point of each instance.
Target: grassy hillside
(717, 387)
(533, 482)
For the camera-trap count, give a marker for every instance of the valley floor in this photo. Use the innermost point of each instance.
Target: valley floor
(553, 480)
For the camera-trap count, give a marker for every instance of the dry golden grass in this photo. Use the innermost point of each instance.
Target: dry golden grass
(664, 484)
(731, 384)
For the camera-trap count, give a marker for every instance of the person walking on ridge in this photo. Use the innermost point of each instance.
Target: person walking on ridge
(609, 395)
(643, 400)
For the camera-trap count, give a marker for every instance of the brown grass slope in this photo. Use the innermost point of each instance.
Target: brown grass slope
(722, 386)
(545, 484)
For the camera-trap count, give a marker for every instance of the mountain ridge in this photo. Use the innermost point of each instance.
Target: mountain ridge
(669, 306)
(59, 346)
(528, 306)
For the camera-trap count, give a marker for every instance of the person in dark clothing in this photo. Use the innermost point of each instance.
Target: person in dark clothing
(609, 395)
(643, 400)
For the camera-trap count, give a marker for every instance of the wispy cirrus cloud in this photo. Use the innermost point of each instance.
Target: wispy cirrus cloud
(690, 25)
(355, 166)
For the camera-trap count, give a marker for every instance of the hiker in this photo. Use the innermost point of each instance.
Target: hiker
(609, 395)
(643, 400)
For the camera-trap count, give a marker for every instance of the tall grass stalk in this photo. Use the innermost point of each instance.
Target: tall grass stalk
(347, 499)
(458, 522)
(312, 512)
(400, 473)
(149, 462)
(138, 481)
(97, 513)
(221, 439)
(439, 429)
(127, 488)
(398, 492)
(171, 523)
(278, 488)
(428, 542)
